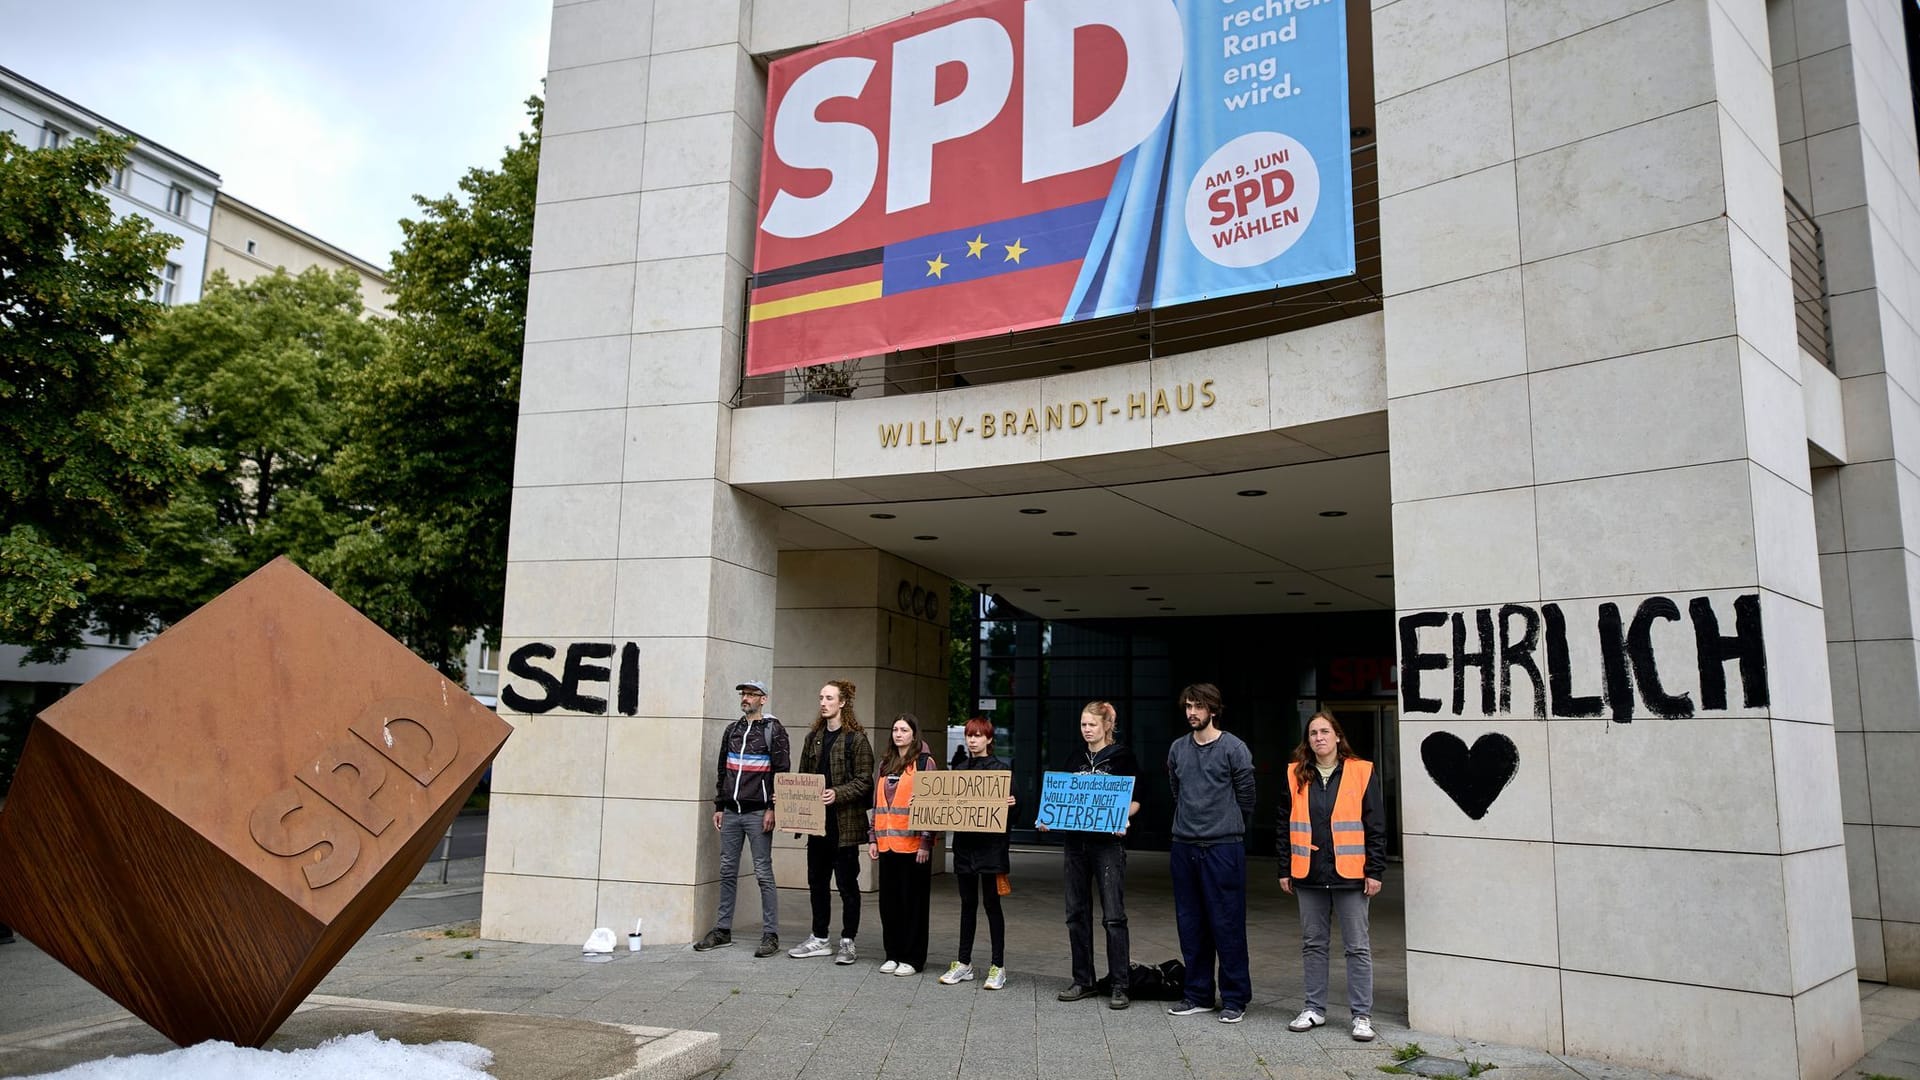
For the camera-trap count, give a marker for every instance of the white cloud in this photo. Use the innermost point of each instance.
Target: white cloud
(328, 116)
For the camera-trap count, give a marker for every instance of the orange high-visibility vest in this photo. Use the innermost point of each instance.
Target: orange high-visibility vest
(1349, 828)
(890, 818)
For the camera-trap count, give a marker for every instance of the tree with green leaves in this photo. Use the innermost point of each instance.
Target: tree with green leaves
(429, 458)
(84, 451)
(255, 374)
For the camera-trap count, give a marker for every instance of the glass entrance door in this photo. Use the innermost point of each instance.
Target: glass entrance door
(1373, 730)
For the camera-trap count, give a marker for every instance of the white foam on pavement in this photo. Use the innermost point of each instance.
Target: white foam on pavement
(365, 1056)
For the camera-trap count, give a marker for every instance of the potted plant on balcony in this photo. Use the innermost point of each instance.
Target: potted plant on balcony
(827, 382)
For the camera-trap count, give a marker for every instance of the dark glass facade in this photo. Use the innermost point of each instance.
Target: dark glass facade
(1034, 675)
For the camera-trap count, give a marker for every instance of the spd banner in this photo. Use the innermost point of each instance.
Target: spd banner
(998, 165)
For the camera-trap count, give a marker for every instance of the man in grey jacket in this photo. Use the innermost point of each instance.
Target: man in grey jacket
(1211, 775)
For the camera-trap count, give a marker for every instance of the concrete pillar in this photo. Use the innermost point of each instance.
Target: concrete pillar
(1594, 398)
(624, 530)
(857, 614)
(1847, 152)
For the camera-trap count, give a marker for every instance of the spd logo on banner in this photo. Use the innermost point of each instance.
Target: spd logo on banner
(998, 165)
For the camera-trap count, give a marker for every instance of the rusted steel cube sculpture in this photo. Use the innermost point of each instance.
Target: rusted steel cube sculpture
(205, 829)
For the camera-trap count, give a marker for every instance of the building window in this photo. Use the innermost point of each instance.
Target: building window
(489, 659)
(122, 177)
(252, 248)
(177, 199)
(51, 137)
(169, 285)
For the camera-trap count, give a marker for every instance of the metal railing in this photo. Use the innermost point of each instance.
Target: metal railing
(1096, 343)
(1807, 264)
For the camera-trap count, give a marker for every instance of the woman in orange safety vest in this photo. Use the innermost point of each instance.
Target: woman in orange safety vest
(906, 872)
(1334, 858)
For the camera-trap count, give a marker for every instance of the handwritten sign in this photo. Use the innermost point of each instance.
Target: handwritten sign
(1085, 802)
(796, 803)
(963, 800)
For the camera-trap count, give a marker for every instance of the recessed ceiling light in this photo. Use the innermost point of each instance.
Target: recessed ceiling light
(924, 536)
(1031, 510)
(1065, 532)
(1333, 513)
(1323, 603)
(1072, 609)
(1139, 588)
(1029, 590)
(881, 517)
(1263, 583)
(1051, 600)
(1387, 576)
(1169, 609)
(1250, 493)
(1296, 594)
(1155, 599)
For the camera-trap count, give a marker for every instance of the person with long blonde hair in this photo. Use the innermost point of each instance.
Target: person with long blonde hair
(1335, 858)
(837, 749)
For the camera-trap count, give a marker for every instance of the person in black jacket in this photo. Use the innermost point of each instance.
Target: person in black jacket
(1334, 861)
(752, 750)
(1097, 864)
(980, 860)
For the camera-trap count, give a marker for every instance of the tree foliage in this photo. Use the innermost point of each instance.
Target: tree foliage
(83, 451)
(429, 459)
(254, 374)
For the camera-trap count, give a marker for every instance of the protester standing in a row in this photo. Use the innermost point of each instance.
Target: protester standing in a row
(1210, 773)
(905, 856)
(837, 749)
(980, 862)
(752, 750)
(1098, 864)
(1334, 863)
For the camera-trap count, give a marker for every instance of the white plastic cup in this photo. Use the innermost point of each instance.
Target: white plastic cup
(633, 939)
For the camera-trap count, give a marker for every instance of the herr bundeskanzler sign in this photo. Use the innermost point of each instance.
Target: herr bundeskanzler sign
(997, 165)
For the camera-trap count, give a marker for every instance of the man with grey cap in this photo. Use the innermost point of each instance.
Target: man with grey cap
(753, 748)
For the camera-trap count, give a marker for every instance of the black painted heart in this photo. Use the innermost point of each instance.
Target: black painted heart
(1471, 778)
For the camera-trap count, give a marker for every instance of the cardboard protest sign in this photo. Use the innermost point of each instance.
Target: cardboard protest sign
(1085, 802)
(960, 800)
(796, 803)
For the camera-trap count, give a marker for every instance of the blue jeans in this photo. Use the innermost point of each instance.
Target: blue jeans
(1317, 907)
(733, 829)
(1210, 906)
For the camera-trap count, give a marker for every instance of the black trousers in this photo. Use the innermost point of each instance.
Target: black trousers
(905, 886)
(829, 862)
(986, 888)
(1097, 862)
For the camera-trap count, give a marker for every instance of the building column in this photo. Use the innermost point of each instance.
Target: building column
(1847, 151)
(643, 582)
(862, 615)
(1594, 402)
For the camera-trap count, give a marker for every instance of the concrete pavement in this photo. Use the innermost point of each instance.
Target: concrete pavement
(785, 1019)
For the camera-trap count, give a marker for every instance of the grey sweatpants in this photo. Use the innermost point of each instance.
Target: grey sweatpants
(1317, 907)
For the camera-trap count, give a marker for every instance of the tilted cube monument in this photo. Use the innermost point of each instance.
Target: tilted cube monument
(204, 830)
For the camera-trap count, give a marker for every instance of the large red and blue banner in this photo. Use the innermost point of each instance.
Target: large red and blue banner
(998, 165)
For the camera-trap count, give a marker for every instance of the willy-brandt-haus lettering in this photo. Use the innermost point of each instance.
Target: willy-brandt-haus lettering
(1534, 388)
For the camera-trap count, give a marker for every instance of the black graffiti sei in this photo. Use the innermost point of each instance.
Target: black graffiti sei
(1630, 674)
(565, 691)
(1471, 778)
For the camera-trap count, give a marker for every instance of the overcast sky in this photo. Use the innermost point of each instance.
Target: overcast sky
(327, 115)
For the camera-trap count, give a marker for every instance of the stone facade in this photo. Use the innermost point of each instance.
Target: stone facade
(1588, 387)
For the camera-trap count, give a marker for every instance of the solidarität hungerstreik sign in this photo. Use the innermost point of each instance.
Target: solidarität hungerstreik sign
(998, 165)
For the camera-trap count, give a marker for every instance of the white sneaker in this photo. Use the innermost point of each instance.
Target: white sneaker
(1362, 1029)
(847, 954)
(888, 967)
(1306, 1021)
(996, 977)
(957, 972)
(905, 970)
(813, 946)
